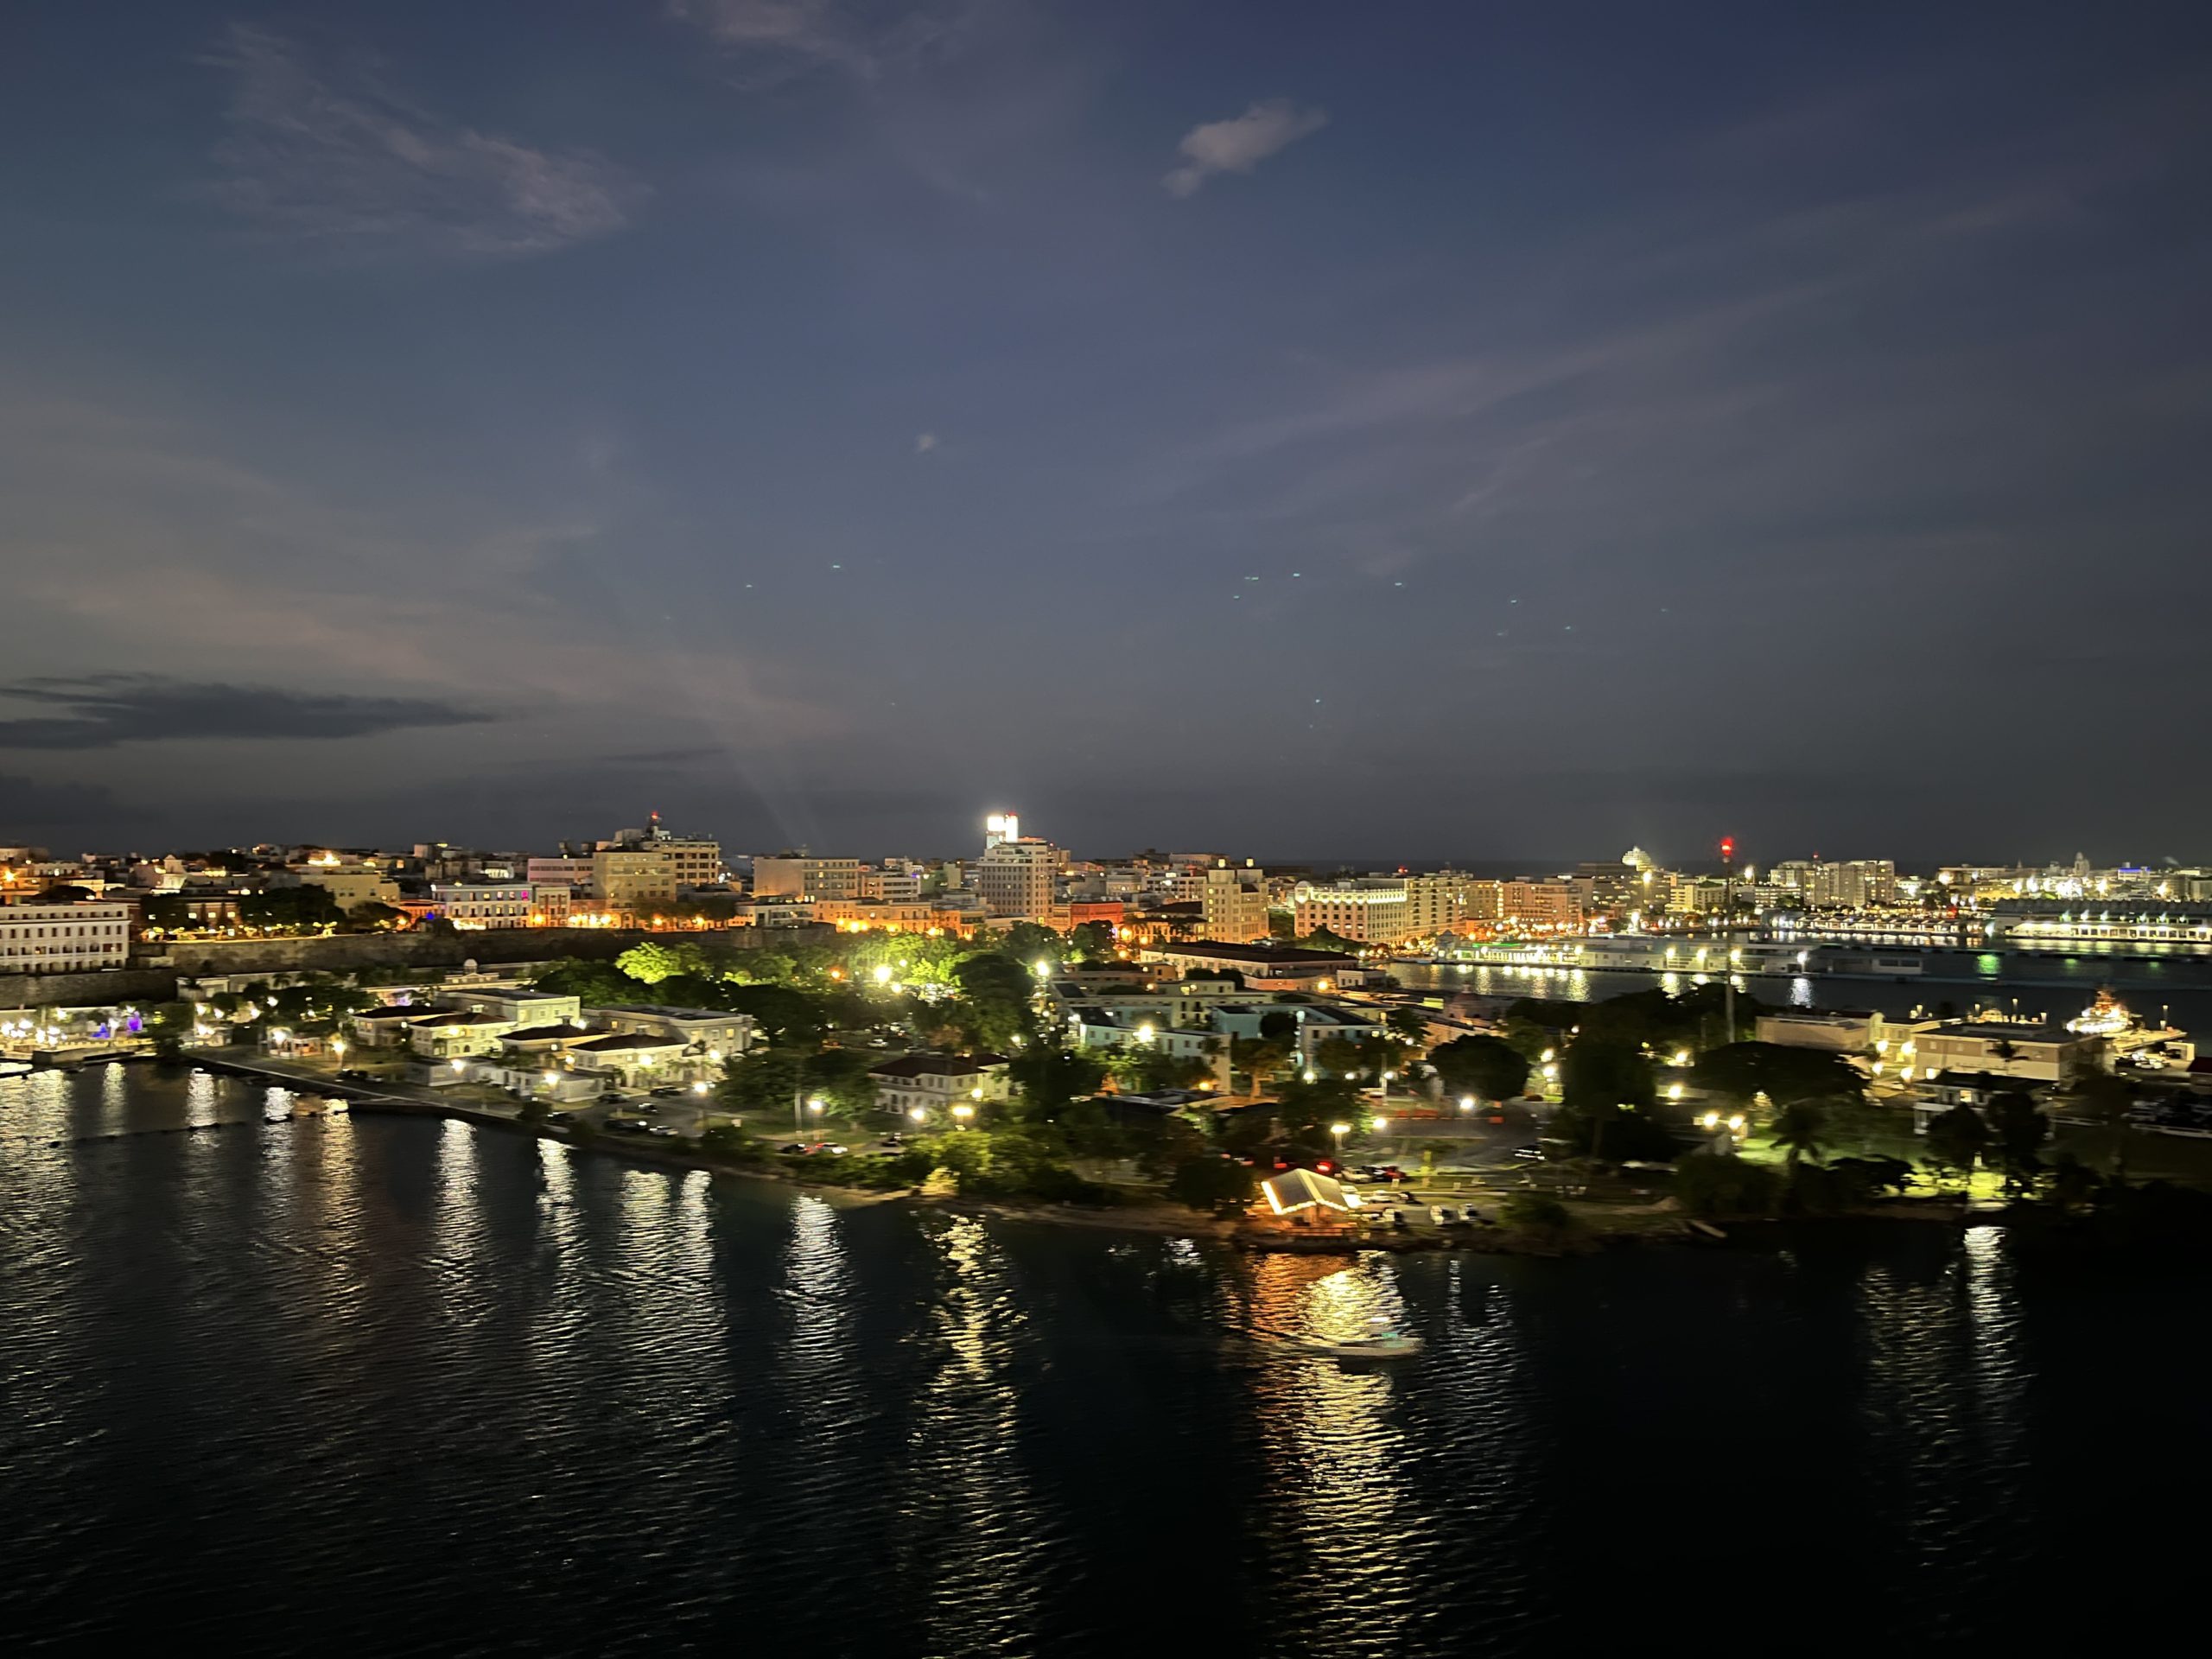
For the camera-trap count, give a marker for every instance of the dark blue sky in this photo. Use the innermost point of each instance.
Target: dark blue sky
(1308, 430)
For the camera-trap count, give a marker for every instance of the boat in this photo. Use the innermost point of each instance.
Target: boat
(1385, 1341)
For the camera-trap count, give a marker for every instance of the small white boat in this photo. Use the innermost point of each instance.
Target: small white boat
(1385, 1341)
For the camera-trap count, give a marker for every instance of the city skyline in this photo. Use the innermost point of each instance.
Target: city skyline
(1404, 433)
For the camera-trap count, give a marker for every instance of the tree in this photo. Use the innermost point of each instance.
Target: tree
(650, 961)
(2017, 1132)
(1212, 1182)
(1092, 940)
(372, 917)
(1322, 938)
(1147, 1070)
(2106, 1100)
(995, 992)
(766, 1079)
(169, 1025)
(1957, 1139)
(1279, 1025)
(1721, 1184)
(1597, 1073)
(1410, 1024)
(1257, 1059)
(839, 1078)
(1529, 1211)
(1050, 1080)
(1781, 1073)
(1030, 942)
(1485, 1067)
(1340, 1057)
(600, 983)
(1799, 1128)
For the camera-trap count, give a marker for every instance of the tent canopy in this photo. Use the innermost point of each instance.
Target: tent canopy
(1302, 1189)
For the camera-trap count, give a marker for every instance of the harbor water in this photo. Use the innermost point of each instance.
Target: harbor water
(393, 1385)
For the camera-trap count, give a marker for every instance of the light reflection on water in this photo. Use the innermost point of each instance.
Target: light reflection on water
(978, 1535)
(404, 1361)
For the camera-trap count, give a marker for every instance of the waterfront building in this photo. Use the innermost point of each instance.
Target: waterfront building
(2035, 1051)
(711, 1033)
(925, 1088)
(1540, 904)
(64, 938)
(1265, 968)
(1370, 910)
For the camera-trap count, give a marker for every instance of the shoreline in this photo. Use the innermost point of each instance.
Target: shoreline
(1592, 1232)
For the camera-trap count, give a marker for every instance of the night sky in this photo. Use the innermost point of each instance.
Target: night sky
(1313, 431)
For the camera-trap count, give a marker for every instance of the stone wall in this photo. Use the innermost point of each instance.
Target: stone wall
(343, 952)
(153, 977)
(147, 985)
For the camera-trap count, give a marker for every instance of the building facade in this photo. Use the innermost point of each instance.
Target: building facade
(1235, 902)
(64, 939)
(801, 875)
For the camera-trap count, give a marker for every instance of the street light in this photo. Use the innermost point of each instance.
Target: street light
(1340, 1130)
(918, 1114)
(963, 1112)
(1467, 1102)
(1378, 1124)
(883, 973)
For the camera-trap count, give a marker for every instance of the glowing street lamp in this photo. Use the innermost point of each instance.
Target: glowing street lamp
(883, 973)
(1340, 1130)
(918, 1113)
(963, 1111)
(1467, 1102)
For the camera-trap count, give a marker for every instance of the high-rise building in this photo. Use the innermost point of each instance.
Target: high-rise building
(632, 878)
(1540, 904)
(1236, 899)
(802, 875)
(1015, 875)
(1369, 909)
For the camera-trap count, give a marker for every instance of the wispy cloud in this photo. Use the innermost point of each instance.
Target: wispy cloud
(924, 442)
(99, 711)
(350, 165)
(1240, 143)
(862, 38)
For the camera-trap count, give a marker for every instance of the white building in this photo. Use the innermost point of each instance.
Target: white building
(472, 909)
(925, 1088)
(1370, 910)
(64, 939)
(1015, 875)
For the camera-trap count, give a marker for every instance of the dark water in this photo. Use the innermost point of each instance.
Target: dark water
(2054, 986)
(389, 1386)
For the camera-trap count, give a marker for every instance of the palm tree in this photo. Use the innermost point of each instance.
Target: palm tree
(1797, 1129)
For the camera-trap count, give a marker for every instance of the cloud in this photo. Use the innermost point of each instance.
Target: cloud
(809, 28)
(99, 711)
(1241, 142)
(924, 442)
(864, 37)
(356, 169)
